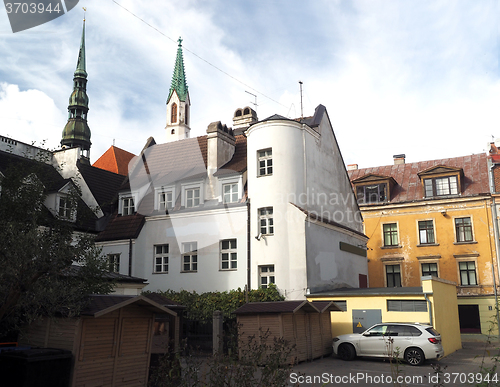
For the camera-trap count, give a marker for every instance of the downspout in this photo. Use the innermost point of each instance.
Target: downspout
(130, 257)
(249, 261)
(429, 306)
(497, 242)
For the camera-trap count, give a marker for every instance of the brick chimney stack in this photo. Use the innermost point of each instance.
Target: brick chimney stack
(399, 159)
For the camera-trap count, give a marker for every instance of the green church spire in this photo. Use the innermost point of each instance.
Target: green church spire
(76, 133)
(179, 78)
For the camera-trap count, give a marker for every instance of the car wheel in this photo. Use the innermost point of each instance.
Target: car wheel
(347, 352)
(414, 356)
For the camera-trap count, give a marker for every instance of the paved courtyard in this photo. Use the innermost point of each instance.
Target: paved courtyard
(461, 368)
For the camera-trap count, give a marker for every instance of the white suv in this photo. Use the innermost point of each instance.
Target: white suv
(411, 342)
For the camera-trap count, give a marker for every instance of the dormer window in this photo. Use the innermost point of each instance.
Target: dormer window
(376, 193)
(373, 188)
(64, 210)
(441, 180)
(128, 206)
(441, 186)
(165, 200)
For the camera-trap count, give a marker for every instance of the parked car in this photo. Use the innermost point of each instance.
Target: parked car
(412, 342)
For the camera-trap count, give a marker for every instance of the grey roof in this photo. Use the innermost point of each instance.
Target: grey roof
(284, 307)
(369, 292)
(102, 304)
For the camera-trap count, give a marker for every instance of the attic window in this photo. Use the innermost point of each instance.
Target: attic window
(375, 193)
(441, 186)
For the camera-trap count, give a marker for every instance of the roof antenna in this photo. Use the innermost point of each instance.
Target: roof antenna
(301, 106)
(253, 103)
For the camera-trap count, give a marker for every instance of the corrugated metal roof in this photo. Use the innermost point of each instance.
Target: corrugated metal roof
(368, 292)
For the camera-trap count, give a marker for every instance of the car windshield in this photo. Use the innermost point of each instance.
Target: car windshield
(433, 332)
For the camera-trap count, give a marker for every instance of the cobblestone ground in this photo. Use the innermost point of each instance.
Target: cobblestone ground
(461, 368)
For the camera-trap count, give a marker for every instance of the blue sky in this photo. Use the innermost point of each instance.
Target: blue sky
(414, 77)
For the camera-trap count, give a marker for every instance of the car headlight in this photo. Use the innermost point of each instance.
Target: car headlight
(335, 339)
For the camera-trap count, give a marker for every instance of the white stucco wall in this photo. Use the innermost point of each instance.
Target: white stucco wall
(328, 267)
(206, 228)
(308, 170)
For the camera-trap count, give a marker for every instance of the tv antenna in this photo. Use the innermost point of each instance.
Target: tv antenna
(253, 103)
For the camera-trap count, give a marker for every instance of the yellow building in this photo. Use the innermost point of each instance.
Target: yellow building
(433, 218)
(434, 303)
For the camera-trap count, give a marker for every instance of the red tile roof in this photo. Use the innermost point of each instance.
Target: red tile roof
(409, 188)
(115, 160)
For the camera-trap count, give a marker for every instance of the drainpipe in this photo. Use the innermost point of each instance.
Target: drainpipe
(429, 306)
(497, 242)
(130, 258)
(249, 261)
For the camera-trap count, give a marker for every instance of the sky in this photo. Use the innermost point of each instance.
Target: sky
(413, 77)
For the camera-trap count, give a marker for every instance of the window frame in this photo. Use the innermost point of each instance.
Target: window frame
(462, 227)
(164, 190)
(393, 273)
(362, 200)
(162, 255)
(427, 233)
(192, 186)
(391, 234)
(429, 271)
(265, 156)
(114, 262)
(173, 113)
(467, 270)
(266, 276)
(229, 251)
(268, 228)
(67, 209)
(190, 251)
(431, 184)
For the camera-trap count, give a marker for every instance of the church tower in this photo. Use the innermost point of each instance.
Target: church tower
(76, 133)
(178, 103)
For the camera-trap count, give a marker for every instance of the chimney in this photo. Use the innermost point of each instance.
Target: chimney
(220, 149)
(242, 119)
(352, 167)
(399, 159)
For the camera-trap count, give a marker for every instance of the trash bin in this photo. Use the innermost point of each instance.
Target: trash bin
(36, 367)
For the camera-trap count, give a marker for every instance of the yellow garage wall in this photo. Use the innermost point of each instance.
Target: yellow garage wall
(488, 317)
(442, 295)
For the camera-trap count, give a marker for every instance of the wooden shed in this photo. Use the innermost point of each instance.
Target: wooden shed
(110, 340)
(304, 324)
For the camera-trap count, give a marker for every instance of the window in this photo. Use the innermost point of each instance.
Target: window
(441, 186)
(372, 193)
(463, 228)
(426, 232)
(161, 259)
(128, 206)
(173, 116)
(64, 208)
(192, 197)
(114, 263)
(266, 274)
(430, 269)
(165, 201)
(407, 306)
(393, 276)
(467, 273)
(228, 254)
(390, 234)
(266, 221)
(230, 193)
(265, 162)
(190, 256)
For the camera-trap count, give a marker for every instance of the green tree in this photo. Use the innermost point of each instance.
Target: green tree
(37, 249)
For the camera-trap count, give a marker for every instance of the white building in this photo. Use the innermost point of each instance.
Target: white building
(269, 202)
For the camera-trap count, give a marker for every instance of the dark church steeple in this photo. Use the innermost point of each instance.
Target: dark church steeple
(76, 133)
